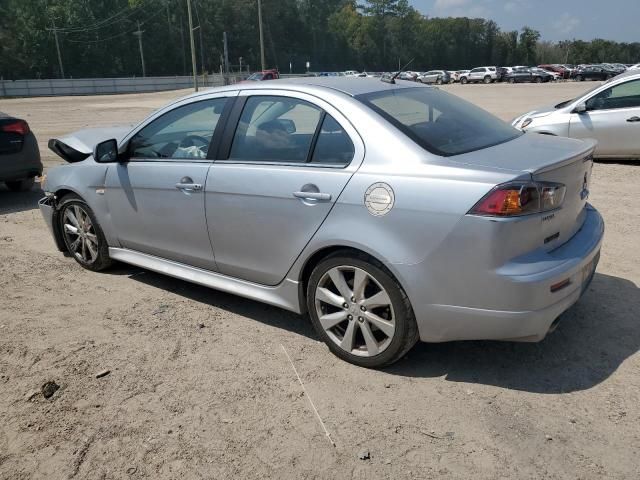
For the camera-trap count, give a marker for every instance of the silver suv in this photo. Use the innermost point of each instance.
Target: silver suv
(480, 74)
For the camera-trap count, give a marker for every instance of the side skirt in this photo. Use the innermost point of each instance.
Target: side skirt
(284, 295)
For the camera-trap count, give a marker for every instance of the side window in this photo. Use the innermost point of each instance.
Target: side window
(333, 145)
(275, 129)
(624, 95)
(182, 133)
(477, 70)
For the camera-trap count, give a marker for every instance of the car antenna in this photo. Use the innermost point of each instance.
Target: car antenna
(395, 75)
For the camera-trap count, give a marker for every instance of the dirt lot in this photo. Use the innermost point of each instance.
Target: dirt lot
(200, 387)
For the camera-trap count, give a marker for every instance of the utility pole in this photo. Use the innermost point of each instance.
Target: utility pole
(139, 35)
(55, 34)
(193, 47)
(262, 62)
(225, 49)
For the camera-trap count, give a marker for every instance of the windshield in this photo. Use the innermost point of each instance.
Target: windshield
(438, 121)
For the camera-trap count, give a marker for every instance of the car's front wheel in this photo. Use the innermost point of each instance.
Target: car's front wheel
(464, 80)
(360, 311)
(487, 79)
(82, 234)
(23, 185)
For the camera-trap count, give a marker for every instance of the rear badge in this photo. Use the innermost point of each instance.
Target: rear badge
(379, 199)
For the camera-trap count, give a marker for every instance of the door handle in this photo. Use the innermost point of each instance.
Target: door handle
(313, 196)
(189, 186)
(633, 119)
(186, 183)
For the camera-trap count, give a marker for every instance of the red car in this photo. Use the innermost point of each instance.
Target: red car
(557, 69)
(272, 74)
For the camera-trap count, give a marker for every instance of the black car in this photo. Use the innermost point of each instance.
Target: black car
(593, 72)
(536, 75)
(19, 154)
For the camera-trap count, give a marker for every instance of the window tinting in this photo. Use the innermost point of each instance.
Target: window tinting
(275, 129)
(333, 145)
(439, 122)
(184, 132)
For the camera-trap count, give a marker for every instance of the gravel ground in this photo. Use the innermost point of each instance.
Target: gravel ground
(199, 385)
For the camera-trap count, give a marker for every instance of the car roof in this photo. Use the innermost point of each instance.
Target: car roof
(351, 86)
(628, 73)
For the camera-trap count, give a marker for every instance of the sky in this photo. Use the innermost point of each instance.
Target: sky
(617, 20)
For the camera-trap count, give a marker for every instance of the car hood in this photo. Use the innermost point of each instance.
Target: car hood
(538, 113)
(77, 146)
(530, 152)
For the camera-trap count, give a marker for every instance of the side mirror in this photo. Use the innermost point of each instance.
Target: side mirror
(580, 108)
(106, 152)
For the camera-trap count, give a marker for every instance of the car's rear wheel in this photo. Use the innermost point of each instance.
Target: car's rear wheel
(538, 80)
(464, 80)
(360, 311)
(23, 185)
(82, 234)
(579, 78)
(439, 81)
(487, 79)
(512, 80)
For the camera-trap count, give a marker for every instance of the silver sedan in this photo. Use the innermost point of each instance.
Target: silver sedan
(390, 213)
(609, 113)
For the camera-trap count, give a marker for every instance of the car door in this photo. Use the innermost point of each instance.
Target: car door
(476, 74)
(612, 118)
(278, 176)
(156, 196)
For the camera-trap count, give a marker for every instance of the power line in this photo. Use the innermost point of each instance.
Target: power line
(127, 12)
(98, 40)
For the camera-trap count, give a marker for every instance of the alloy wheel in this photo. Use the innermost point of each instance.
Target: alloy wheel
(80, 234)
(355, 311)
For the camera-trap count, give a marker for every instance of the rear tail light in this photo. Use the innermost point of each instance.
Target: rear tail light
(17, 126)
(520, 198)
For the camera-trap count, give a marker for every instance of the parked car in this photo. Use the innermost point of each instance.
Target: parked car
(435, 76)
(19, 154)
(480, 74)
(271, 74)
(610, 113)
(536, 75)
(459, 74)
(503, 72)
(634, 67)
(377, 260)
(592, 72)
(562, 71)
(412, 76)
(351, 73)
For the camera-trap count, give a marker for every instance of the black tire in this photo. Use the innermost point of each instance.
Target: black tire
(406, 330)
(439, 81)
(102, 260)
(512, 80)
(23, 185)
(538, 80)
(579, 78)
(464, 80)
(487, 79)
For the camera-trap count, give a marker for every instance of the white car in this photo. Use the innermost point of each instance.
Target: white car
(480, 74)
(351, 73)
(608, 113)
(634, 67)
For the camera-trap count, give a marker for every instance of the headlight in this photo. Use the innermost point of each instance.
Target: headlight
(526, 122)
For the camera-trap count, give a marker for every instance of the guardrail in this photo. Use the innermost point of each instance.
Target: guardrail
(101, 86)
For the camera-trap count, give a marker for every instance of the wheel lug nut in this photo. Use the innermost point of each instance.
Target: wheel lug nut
(363, 308)
(360, 319)
(353, 299)
(345, 305)
(349, 317)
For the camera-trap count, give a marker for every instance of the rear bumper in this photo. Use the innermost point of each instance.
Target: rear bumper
(529, 280)
(24, 164)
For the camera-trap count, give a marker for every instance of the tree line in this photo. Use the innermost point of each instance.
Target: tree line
(97, 38)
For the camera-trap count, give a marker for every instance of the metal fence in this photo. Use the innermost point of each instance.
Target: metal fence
(97, 86)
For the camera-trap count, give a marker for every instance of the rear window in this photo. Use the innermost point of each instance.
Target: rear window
(438, 121)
